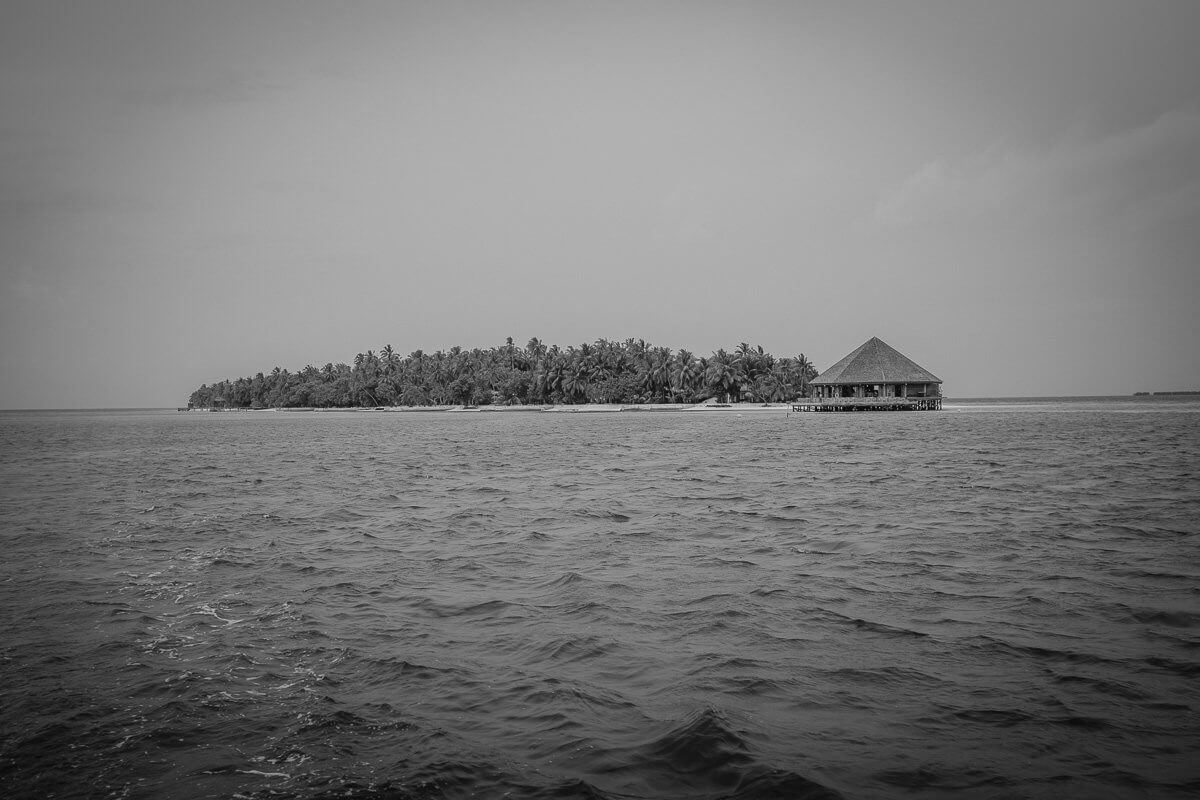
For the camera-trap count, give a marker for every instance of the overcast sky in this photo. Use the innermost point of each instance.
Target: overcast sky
(1007, 192)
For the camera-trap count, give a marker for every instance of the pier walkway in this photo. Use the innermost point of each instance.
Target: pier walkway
(870, 404)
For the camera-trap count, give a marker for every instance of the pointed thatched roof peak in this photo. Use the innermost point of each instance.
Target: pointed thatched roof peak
(875, 361)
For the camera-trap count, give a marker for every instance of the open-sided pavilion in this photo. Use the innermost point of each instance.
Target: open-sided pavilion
(875, 376)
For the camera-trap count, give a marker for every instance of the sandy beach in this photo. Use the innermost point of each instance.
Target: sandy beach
(599, 408)
(581, 408)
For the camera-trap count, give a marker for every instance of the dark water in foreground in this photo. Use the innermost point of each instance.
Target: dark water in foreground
(999, 600)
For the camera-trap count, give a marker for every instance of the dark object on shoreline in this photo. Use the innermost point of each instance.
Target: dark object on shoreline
(1166, 394)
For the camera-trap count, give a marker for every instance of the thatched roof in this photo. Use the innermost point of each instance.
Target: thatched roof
(875, 361)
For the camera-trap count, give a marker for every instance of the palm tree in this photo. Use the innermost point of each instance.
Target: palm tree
(389, 381)
(658, 373)
(804, 374)
(554, 378)
(572, 385)
(390, 359)
(685, 376)
(721, 377)
(538, 388)
(535, 349)
(510, 351)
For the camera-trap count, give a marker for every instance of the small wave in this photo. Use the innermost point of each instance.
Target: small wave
(880, 627)
(566, 579)
(224, 561)
(995, 717)
(899, 677)
(1165, 575)
(738, 676)
(570, 649)
(1085, 723)
(340, 514)
(586, 608)
(704, 743)
(706, 756)
(488, 609)
(735, 562)
(208, 611)
(346, 721)
(1188, 669)
(1001, 647)
(402, 667)
(1173, 619)
(1103, 687)
(605, 514)
(342, 586)
(941, 778)
(709, 598)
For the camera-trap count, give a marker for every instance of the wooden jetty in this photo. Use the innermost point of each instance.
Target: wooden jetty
(870, 404)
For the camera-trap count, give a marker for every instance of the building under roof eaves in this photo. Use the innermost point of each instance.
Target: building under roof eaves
(876, 370)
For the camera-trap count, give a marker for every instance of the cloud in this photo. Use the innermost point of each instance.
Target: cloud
(201, 91)
(1138, 176)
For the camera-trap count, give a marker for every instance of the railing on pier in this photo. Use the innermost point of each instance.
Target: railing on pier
(869, 404)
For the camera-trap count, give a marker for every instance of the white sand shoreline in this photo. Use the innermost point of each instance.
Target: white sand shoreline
(580, 408)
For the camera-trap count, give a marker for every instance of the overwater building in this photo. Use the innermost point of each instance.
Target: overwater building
(876, 375)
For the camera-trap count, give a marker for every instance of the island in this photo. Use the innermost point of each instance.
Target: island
(631, 372)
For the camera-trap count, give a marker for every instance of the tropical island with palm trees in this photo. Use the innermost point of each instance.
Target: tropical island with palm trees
(604, 372)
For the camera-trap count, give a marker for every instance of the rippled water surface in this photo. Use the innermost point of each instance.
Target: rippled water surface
(997, 600)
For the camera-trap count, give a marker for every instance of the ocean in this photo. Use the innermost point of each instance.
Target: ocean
(998, 600)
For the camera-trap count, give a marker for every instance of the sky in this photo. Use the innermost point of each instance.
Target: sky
(1007, 192)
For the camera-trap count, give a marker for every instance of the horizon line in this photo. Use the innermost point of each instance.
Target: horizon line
(951, 398)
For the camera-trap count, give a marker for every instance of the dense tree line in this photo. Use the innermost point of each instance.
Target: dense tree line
(604, 372)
